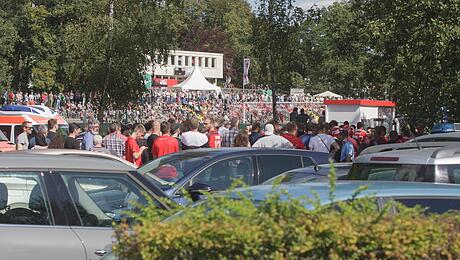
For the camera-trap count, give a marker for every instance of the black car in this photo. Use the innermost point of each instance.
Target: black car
(217, 169)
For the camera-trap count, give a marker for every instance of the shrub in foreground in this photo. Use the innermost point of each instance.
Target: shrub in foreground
(282, 228)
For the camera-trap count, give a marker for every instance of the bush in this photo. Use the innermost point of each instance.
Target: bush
(283, 228)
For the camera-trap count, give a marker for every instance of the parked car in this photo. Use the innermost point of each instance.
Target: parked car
(319, 173)
(407, 146)
(442, 137)
(436, 198)
(5, 144)
(61, 204)
(440, 165)
(216, 169)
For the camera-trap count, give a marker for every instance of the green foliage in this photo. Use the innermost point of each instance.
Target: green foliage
(282, 227)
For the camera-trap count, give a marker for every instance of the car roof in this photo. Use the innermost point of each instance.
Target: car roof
(407, 146)
(311, 169)
(63, 159)
(450, 134)
(443, 155)
(212, 154)
(345, 190)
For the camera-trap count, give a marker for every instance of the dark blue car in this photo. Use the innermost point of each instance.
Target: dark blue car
(216, 169)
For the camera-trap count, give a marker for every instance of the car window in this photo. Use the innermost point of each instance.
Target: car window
(432, 205)
(6, 131)
(272, 165)
(101, 199)
(221, 175)
(307, 161)
(392, 172)
(173, 167)
(448, 173)
(22, 199)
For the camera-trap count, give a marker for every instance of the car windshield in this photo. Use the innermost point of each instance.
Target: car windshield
(392, 172)
(167, 170)
(3, 137)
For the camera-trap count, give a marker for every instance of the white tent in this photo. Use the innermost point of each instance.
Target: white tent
(196, 81)
(328, 94)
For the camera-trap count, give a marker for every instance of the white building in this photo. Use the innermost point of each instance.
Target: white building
(174, 68)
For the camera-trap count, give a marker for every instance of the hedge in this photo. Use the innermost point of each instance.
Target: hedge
(224, 228)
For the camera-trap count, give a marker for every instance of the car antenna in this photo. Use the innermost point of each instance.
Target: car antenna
(413, 136)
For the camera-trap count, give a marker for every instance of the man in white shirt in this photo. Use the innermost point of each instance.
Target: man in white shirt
(22, 142)
(270, 140)
(194, 139)
(323, 142)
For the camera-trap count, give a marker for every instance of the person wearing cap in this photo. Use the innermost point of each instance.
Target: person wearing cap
(270, 140)
(194, 139)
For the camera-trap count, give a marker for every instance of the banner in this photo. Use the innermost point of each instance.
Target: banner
(297, 91)
(148, 80)
(246, 64)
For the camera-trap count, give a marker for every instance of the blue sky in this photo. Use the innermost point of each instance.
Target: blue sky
(307, 3)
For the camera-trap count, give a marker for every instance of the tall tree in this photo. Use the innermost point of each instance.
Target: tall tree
(8, 39)
(275, 36)
(126, 39)
(415, 47)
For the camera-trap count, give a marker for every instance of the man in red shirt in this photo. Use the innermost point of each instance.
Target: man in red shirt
(132, 150)
(291, 136)
(165, 144)
(360, 133)
(213, 137)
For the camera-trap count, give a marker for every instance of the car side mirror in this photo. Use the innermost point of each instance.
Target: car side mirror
(197, 189)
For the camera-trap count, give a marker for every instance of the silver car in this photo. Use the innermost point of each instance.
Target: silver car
(62, 204)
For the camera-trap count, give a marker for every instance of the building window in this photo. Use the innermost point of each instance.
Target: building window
(206, 62)
(186, 60)
(213, 62)
(179, 60)
(199, 61)
(173, 60)
(193, 61)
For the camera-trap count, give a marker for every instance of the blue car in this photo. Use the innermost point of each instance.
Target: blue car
(216, 169)
(436, 198)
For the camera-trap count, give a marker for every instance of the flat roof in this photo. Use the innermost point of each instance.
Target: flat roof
(361, 102)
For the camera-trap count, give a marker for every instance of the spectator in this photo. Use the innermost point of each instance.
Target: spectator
(242, 139)
(255, 133)
(213, 135)
(293, 115)
(98, 145)
(114, 141)
(193, 139)
(52, 129)
(155, 133)
(57, 143)
(40, 141)
(165, 144)
(302, 118)
(132, 150)
(224, 127)
(228, 138)
(347, 151)
(323, 142)
(22, 141)
(291, 136)
(93, 129)
(310, 131)
(270, 140)
(71, 142)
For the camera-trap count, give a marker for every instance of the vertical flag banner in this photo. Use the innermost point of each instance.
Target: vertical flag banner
(246, 64)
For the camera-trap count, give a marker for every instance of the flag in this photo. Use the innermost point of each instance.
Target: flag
(246, 64)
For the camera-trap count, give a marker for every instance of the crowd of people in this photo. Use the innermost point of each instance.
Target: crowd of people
(163, 103)
(141, 143)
